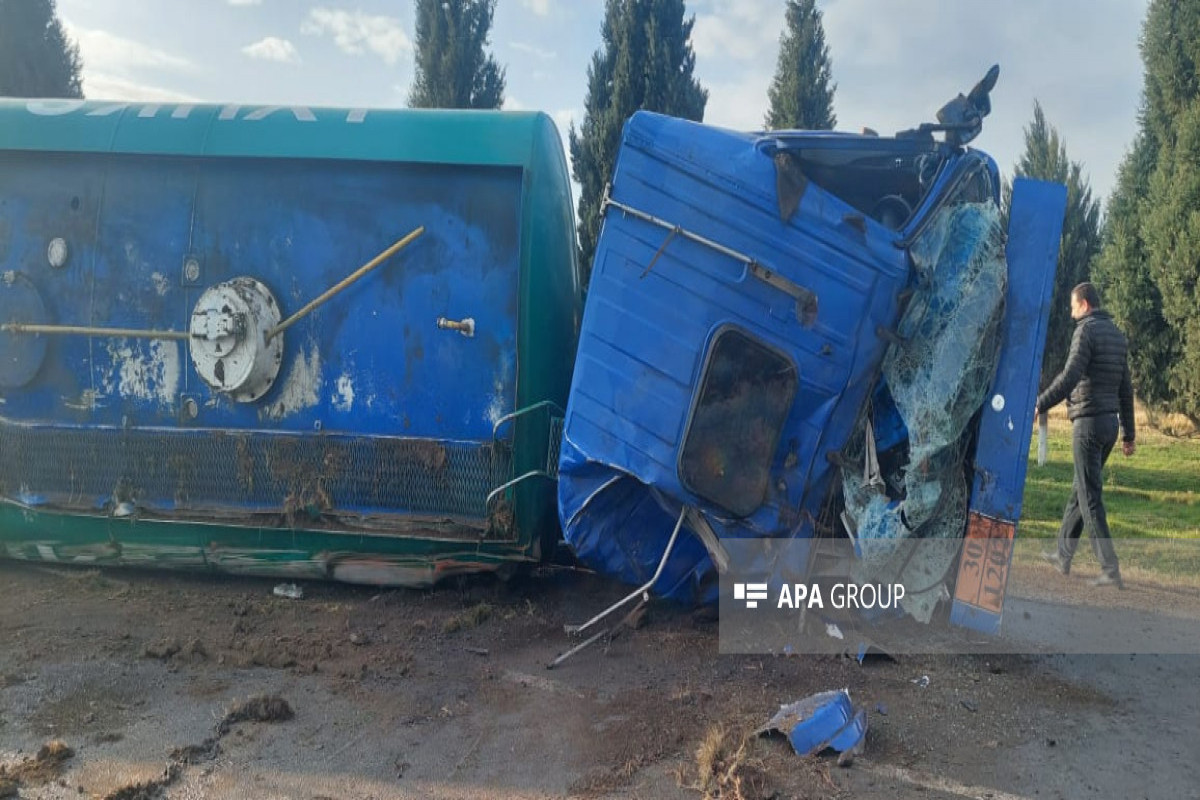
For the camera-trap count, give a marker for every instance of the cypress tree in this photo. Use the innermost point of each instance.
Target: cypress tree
(801, 94)
(1151, 258)
(1122, 272)
(452, 69)
(36, 57)
(645, 61)
(1045, 158)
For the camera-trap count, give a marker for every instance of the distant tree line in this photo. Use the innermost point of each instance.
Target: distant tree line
(1145, 255)
(1149, 263)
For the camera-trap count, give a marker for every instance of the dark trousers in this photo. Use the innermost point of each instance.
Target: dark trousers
(1092, 440)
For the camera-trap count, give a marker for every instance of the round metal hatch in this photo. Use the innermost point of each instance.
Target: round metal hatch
(21, 354)
(229, 345)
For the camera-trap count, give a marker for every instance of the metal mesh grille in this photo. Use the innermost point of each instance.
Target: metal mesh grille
(200, 471)
(554, 446)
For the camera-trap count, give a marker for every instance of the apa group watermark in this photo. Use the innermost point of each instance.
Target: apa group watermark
(797, 596)
(841, 596)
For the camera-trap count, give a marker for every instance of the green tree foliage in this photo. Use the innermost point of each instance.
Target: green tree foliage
(1151, 259)
(801, 94)
(36, 57)
(1123, 273)
(645, 61)
(1045, 158)
(452, 69)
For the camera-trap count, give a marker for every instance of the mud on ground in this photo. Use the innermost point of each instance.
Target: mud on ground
(147, 676)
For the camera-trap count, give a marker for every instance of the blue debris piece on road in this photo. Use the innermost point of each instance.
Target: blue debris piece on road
(819, 722)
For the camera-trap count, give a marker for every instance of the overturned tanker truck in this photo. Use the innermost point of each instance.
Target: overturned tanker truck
(353, 345)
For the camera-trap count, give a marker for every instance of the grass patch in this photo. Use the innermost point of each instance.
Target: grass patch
(724, 769)
(1154, 495)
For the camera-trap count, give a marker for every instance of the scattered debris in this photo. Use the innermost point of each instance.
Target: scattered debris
(41, 769)
(162, 649)
(922, 681)
(479, 651)
(881, 709)
(11, 680)
(824, 720)
(867, 650)
(471, 618)
(291, 591)
(261, 708)
(969, 705)
(170, 649)
(582, 645)
(834, 631)
(633, 620)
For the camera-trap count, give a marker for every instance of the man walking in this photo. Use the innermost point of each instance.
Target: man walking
(1095, 382)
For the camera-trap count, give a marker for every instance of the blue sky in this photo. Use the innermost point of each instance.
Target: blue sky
(895, 62)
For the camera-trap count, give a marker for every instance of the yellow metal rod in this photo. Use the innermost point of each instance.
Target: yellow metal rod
(85, 330)
(344, 283)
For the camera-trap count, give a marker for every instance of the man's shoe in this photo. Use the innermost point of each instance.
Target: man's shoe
(1108, 580)
(1056, 561)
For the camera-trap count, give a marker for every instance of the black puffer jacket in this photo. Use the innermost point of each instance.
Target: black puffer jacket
(1095, 379)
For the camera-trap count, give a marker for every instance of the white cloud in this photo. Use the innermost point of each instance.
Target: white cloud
(356, 33)
(244, 2)
(563, 118)
(104, 51)
(1079, 58)
(739, 104)
(544, 55)
(539, 7)
(272, 48)
(101, 86)
(743, 30)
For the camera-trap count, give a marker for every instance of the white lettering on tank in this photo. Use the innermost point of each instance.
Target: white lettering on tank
(108, 110)
(52, 108)
(58, 108)
(301, 113)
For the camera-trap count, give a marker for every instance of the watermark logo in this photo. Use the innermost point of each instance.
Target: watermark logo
(750, 592)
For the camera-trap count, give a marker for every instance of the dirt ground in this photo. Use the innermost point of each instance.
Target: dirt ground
(196, 686)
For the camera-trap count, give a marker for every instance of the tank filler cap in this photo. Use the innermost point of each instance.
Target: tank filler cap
(230, 346)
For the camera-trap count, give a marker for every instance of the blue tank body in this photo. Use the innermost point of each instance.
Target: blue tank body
(398, 408)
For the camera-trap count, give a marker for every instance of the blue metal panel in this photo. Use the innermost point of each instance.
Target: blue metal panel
(653, 311)
(1001, 457)
(966, 615)
(372, 362)
(1034, 231)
